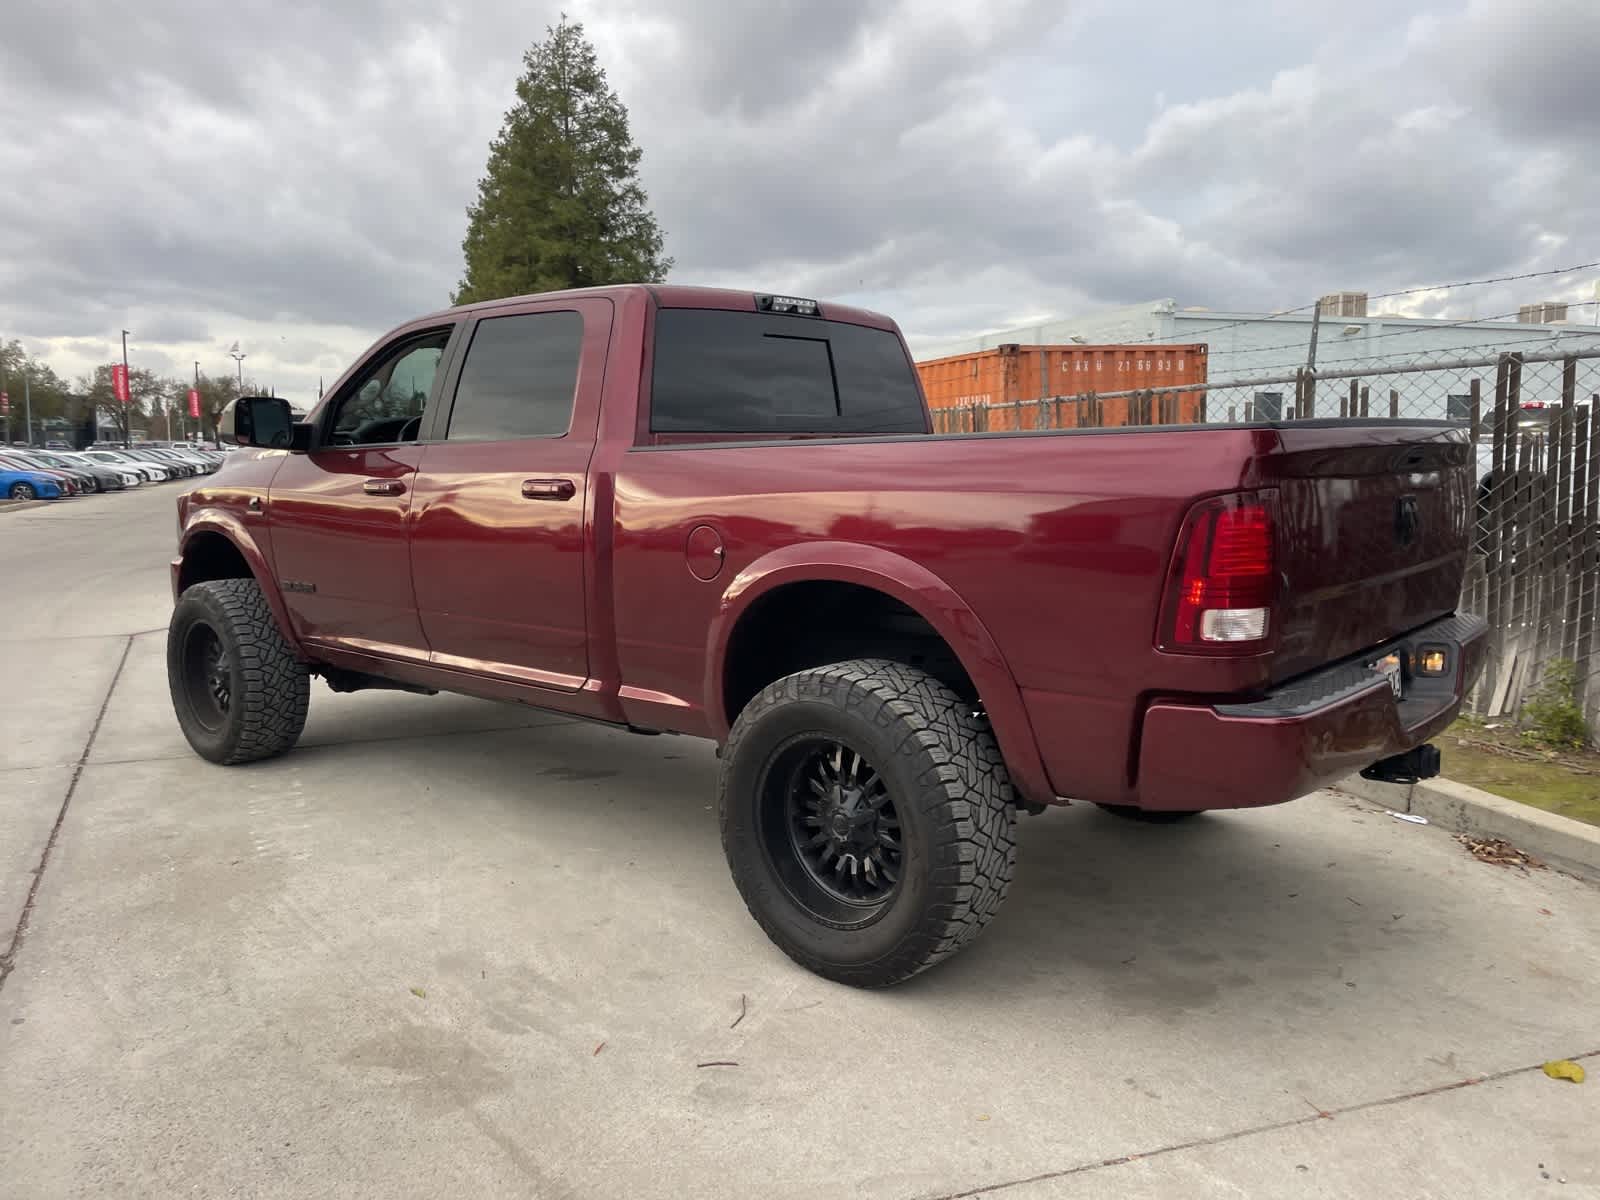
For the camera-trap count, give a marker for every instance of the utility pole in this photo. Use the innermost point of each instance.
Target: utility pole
(127, 417)
(1306, 404)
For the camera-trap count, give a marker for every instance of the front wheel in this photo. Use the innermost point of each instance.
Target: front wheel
(867, 818)
(23, 491)
(238, 691)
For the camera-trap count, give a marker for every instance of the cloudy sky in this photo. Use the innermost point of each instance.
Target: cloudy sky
(295, 175)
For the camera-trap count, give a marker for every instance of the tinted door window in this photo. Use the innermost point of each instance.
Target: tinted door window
(734, 372)
(387, 404)
(519, 378)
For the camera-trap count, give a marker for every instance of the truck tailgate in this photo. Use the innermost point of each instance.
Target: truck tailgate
(1373, 533)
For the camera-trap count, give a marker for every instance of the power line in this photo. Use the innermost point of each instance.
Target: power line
(1421, 331)
(1413, 354)
(1437, 287)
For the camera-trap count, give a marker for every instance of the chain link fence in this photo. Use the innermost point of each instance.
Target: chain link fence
(1534, 419)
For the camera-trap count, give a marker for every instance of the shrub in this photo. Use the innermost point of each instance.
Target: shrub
(1553, 715)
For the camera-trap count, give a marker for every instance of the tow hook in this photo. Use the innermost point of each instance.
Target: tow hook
(1411, 767)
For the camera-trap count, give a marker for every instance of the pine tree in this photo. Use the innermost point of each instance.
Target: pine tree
(560, 203)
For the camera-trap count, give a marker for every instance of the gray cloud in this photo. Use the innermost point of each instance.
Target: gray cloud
(297, 175)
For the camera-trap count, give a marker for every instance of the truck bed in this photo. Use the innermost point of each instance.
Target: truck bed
(1061, 543)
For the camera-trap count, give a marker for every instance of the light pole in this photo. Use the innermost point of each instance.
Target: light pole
(238, 357)
(27, 398)
(127, 417)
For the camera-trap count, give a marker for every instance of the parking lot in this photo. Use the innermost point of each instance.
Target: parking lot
(448, 947)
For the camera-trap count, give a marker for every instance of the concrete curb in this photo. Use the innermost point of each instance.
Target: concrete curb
(19, 505)
(1568, 845)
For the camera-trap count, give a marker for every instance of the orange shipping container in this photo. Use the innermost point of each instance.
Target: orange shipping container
(1003, 381)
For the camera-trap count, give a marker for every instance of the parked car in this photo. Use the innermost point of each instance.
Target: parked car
(68, 482)
(197, 466)
(202, 466)
(28, 485)
(125, 471)
(176, 469)
(720, 514)
(207, 462)
(86, 479)
(106, 478)
(150, 472)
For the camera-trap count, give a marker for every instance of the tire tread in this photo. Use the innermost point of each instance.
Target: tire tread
(276, 692)
(965, 795)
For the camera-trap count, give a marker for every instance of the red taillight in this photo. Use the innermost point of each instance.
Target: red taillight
(1224, 577)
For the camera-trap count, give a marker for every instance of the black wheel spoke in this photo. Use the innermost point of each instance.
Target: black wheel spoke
(206, 676)
(842, 824)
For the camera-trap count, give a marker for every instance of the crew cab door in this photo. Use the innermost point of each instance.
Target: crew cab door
(337, 516)
(500, 524)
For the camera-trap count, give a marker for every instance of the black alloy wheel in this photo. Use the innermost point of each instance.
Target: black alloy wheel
(206, 680)
(831, 829)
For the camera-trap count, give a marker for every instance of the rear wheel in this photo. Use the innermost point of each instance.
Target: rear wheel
(23, 491)
(237, 689)
(1151, 816)
(867, 818)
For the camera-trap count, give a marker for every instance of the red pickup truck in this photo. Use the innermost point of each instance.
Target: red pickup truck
(714, 513)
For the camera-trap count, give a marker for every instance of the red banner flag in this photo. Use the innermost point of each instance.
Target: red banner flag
(194, 403)
(119, 382)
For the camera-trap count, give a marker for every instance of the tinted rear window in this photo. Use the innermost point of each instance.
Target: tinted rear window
(734, 372)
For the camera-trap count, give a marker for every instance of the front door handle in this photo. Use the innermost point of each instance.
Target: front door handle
(548, 489)
(384, 487)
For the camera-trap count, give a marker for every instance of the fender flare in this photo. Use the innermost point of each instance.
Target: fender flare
(920, 590)
(230, 527)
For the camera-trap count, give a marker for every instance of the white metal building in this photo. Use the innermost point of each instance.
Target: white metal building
(1254, 346)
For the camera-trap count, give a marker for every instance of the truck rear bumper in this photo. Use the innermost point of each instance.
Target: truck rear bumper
(1306, 734)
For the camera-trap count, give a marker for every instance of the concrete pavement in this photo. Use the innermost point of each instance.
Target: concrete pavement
(455, 948)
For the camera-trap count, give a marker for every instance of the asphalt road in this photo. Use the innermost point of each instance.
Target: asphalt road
(451, 948)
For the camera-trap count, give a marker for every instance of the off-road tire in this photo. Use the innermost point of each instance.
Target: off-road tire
(269, 691)
(1151, 816)
(942, 769)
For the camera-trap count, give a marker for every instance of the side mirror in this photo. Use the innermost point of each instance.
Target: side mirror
(265, 421)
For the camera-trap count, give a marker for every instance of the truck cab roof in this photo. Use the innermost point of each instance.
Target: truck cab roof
(674, 295)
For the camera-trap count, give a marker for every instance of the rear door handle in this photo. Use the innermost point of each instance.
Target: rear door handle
(548, 489)
(384, 487)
